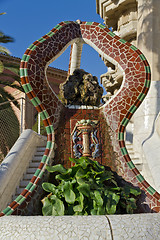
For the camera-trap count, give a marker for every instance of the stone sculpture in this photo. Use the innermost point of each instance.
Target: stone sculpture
(81, 88)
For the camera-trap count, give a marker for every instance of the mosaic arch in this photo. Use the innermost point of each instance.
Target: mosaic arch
(117, 112)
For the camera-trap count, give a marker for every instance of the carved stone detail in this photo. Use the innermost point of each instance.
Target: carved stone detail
(111, 81)
(88, 130)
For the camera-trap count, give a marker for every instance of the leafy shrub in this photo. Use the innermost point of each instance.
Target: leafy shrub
(87, 189)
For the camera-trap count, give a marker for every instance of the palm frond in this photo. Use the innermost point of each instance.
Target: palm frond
(4, 50)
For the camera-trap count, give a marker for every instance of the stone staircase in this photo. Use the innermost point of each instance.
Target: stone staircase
(33, 165)
(135, 159)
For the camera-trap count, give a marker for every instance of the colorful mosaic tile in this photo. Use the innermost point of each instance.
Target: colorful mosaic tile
(117, 112)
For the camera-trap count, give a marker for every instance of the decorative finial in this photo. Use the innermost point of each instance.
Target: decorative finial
(78, 21)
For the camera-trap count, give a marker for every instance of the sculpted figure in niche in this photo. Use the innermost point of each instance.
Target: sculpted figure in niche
(81, 88)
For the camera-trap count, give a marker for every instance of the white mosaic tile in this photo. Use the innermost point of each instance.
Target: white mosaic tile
(135, 226)
(58, 228)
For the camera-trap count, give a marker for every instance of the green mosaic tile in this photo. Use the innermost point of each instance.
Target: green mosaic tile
(32, 188)
(124, 151)
(44, 115)
(41, 174)
(147, 69)
(147, 83)
(52, 128)
(41, 40)
(32, 47)
(27, 88)
(25, 72)
(142, 57)
(49, 145)
(48, 130)
(18, 198)
(58, 26)
(133, 109)
(89, 23)
(27, 58)
(133, 47)
(24, 57)
(50, 34)
(122, 40)
(9, 212)
(35, 101)
(37, 172)
(101, 26)
(6, 210)
(141, 96)
(44, 158)
(111, 34)
(131, 165)
(121, 136)
(140, 178)
(21, 200)
(68, 22)
(29, 186)
(151, 190)
(48, 159)
(125, 121)
(22, 72)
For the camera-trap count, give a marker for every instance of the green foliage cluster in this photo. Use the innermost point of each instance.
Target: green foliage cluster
(87, 189)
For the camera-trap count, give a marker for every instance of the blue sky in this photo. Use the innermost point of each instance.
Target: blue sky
(26, 21)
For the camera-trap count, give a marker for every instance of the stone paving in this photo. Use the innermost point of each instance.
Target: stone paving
(110, 227)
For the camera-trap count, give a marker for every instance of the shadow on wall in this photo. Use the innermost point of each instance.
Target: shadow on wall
(151, 25)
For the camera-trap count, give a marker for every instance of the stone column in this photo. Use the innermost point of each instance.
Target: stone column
(148, 37)
(75, 56)
(86, 130)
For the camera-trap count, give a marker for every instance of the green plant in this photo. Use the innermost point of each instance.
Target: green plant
(87, 189)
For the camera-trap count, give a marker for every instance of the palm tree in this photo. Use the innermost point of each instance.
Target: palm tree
(9, 124)
(4, 39)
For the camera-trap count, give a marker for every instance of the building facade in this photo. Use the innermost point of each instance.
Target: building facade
(138, 21)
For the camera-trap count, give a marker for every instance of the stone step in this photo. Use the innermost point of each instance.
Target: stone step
(31, 170)
(129, 147)
(41, 149)
(37, 158)
(28, 176)
(18, 191)
(139, 166)
(24, 183)
(34, 164)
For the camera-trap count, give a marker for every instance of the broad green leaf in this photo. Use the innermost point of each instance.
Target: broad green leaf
(78, 208)
(135, 191)
(49, 187)
(57, 168)
(65, 177)
(1, 67)
(81, 173)
(101, 210)
(81, 181)
(58, 206)
(131, 205)
(98, 167)
(68, 193)
(84, 189)
(80, 199)
(98, 198)
(47, 207)
(111, 201)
